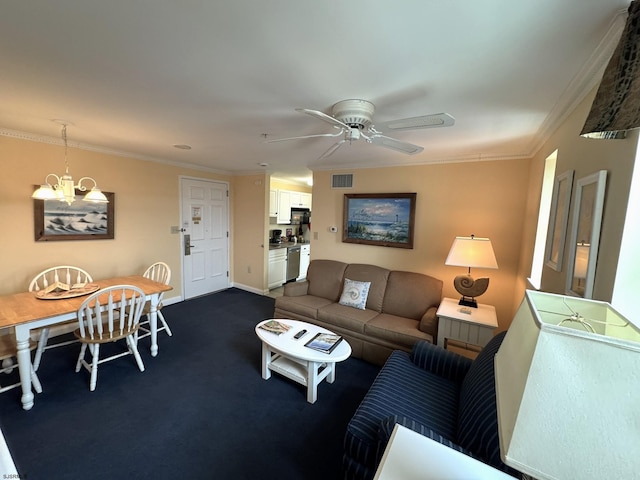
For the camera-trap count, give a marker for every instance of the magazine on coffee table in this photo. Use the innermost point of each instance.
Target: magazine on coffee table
(274, 326)
(324, 342)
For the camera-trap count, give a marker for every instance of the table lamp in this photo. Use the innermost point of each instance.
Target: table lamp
(567, 382)
(471, 252)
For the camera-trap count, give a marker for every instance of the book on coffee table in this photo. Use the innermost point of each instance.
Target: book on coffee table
(324, 342)
(274, 326)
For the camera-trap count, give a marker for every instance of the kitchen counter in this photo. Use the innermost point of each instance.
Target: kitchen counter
(276, 246)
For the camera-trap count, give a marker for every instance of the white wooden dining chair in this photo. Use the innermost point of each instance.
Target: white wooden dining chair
(8, 353)
(159, 272)
(109, 315)
(69, 275)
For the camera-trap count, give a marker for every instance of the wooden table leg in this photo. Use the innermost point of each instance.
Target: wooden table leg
(153, 324)
(24, 365)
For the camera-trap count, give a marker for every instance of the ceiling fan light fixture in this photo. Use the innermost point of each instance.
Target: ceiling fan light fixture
(353, 119)
(355, 113)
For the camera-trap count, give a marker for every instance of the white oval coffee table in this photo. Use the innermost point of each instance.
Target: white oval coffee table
(289, 357)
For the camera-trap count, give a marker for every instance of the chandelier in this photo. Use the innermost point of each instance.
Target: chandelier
(64, 189)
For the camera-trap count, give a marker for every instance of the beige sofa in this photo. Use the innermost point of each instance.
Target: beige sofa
(400, 307)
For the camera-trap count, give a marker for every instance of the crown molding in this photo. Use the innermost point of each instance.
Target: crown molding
(582, 84)
(33, 137)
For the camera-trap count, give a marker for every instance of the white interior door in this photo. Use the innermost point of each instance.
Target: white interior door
(205, 236)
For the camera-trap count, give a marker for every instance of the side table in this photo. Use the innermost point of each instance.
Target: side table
(466, 324)
(410, 456)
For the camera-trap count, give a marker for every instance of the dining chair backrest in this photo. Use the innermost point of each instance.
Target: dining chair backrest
(64, 273)
(110, 313)
(159, 272)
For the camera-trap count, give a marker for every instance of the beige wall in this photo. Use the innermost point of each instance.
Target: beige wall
(585, 156)
(146, 206)
(487, 199)
(250, 198)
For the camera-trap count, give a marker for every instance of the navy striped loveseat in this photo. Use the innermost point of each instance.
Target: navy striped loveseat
(435, 392)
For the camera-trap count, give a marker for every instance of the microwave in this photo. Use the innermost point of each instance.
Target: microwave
(300, 216)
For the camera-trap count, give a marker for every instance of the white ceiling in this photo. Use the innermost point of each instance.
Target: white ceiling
(137, 77)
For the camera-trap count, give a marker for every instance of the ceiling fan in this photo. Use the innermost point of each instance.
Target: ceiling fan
(354, 120)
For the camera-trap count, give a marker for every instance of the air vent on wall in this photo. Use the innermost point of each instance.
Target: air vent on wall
(343, 180)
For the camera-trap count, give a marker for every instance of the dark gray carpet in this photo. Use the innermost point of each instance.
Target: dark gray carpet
(201, 409)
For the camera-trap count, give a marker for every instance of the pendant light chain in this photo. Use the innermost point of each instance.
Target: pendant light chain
(64, 139)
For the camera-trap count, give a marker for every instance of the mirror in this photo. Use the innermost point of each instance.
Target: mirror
(556, 234)
(585, 234)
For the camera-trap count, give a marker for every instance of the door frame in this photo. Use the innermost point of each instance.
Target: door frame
(181, 245)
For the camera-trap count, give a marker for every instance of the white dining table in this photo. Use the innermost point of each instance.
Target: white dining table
(25, 311)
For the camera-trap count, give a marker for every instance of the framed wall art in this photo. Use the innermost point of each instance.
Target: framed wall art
(384, 219)
(54, 220)
(557, 232)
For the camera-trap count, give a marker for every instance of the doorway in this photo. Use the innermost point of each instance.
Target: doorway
(204, 211)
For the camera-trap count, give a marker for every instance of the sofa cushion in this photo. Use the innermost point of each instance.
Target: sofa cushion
(404, 389)
(354, 294)
(370, 273)
(306, 305)
(410, 294)
(397, 330)
(477, 419)
(325, 278)
(346, 317)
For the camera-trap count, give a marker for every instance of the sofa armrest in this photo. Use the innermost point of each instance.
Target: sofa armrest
(439, 361)
(385, 429)
(296, 289)
(429, 322)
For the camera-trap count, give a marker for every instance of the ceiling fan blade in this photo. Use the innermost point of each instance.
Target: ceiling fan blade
(332, 149)
(425, 121)
(305, 136)
(324, 117)
(394, 144)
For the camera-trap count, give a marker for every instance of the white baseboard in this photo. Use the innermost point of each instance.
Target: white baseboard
(247, 288)
(172, 300)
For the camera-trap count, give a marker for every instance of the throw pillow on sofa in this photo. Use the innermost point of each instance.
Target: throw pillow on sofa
(354, 294)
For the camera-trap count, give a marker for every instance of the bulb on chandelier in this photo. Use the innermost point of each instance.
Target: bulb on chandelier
(63, 188)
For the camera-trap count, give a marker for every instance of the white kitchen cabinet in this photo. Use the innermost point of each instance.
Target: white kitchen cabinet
(305, 200)
(277, 267)
(284, 207)
(286, 200)
(305, 259)
(300, 199)
(273, 203)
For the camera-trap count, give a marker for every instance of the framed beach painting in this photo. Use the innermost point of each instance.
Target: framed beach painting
(384, 219)
(54, 220)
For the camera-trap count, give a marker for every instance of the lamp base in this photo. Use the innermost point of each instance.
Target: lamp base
(468, 302)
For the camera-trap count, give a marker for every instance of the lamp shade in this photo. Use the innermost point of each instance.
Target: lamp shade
(471, 252)
(582, 260)
(567, 397)
(615, 106)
